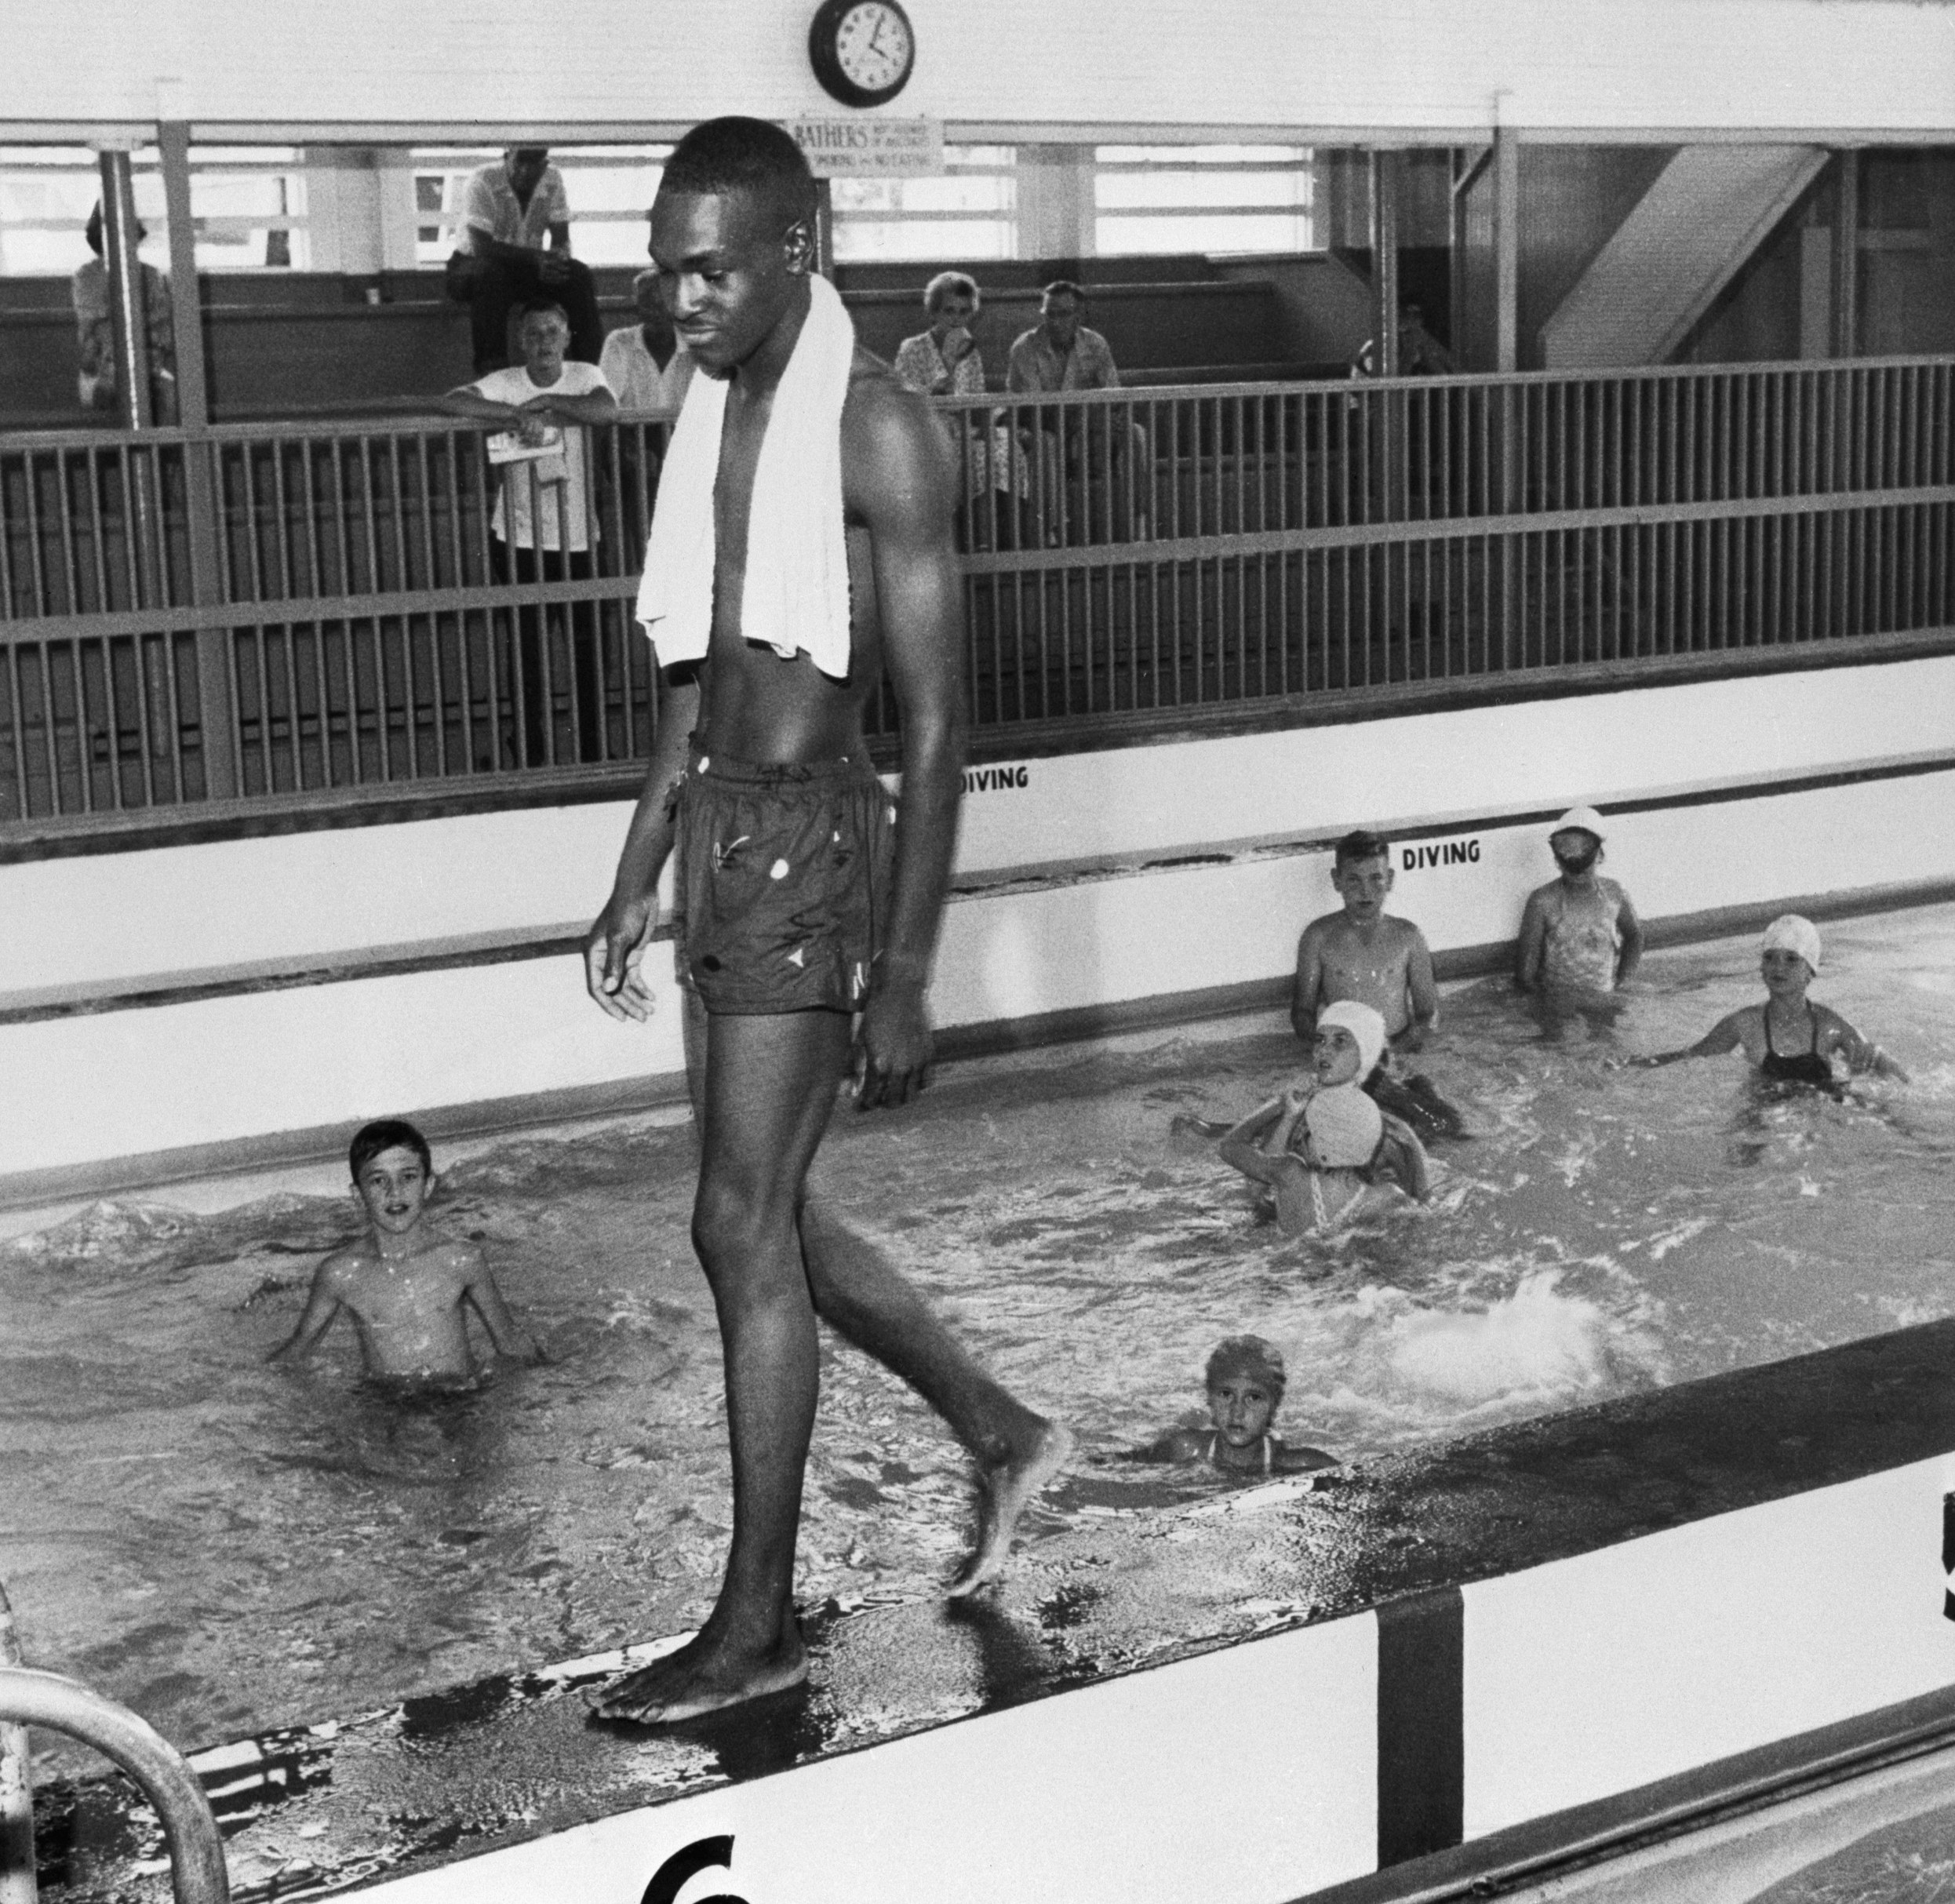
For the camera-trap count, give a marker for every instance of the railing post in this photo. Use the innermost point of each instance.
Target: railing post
(17, 1884)
(216, 726)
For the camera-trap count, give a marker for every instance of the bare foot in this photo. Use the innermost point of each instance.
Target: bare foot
(704, 1676)
(1005, 1490)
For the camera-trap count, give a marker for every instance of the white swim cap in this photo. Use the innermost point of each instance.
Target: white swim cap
(1792, 934)
(1343, 1127)
(1364, 1024)
(1584, 818)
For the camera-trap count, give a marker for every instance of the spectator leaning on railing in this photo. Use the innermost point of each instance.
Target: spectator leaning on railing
(513, 244)
(1063, 354)
(544, 525)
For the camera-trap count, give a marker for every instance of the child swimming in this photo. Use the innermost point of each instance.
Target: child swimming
(1245, 1380)
(407, 1289)
(1579, 934)
(1331, 1154)
(1788, 1039)
(1363, 953)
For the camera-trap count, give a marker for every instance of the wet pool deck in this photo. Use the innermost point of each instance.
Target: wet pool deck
(1105, 1593)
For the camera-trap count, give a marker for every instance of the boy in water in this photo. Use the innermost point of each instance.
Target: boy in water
(1331, 1153)
(1245, 1380)
(1364, 953)
(1579, 934)
(407, 1289)
(1788, 1039)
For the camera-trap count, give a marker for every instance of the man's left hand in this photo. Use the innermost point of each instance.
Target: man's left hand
(892, 1047)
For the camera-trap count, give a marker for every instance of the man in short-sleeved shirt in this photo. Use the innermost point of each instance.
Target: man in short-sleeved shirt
(1062, 353)
(645, 365)
(513, 244)
(544, 525)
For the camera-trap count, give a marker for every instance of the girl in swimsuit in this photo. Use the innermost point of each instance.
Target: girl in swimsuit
(1789, 1039)
(1579, 934)
(1324, 1148)
(1245, 1382)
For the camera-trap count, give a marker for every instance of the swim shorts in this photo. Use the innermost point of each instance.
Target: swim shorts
(782, 882)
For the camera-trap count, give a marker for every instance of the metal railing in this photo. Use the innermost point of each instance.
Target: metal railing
(197, 1873)
(247, 613)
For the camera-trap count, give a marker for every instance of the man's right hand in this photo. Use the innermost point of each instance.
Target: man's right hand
(613, 950)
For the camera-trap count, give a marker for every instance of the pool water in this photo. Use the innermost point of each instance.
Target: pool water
(229, 1547)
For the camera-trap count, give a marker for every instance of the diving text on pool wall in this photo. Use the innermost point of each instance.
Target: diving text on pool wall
(996, 779)
(1446, 853)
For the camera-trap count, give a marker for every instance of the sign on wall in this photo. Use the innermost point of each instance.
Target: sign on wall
(845, 147)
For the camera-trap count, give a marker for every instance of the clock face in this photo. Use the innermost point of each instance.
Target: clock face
(863, 50)
(873, 46)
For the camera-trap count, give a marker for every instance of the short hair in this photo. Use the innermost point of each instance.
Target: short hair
(948, 284)
(387, 1133)
(741, 154)
(1360, 845)
(1063, 287)
(542, 306)
(1247, 1355)
(93, 232)
(526, 151)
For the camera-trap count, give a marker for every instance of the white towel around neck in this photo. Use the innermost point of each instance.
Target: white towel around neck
(796, 594)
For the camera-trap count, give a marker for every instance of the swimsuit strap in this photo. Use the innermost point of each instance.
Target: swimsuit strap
(1266, 1454)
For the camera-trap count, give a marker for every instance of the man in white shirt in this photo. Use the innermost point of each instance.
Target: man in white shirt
(543, 526)
(645, 365)
(513, 244)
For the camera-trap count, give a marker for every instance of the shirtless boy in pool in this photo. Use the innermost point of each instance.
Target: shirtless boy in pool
(758, 753)
(408, 1289)
(1364, 953)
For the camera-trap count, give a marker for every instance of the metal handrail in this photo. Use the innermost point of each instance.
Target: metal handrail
(198, 1874)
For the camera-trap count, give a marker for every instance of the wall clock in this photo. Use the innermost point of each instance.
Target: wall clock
(862, 50)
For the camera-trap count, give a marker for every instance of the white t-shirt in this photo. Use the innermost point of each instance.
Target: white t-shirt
(544, 480)
(489, 206)
(634, 375)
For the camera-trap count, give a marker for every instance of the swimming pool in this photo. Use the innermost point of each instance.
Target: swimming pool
(229, 1548)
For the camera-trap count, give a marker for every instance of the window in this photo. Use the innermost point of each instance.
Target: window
(970, 213)
(1201, 197)
(248, 203)
(46, 193)
(610, 188)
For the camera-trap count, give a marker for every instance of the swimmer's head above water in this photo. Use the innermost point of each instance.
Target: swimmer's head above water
(1576, 842)
(1789, 952)
(1245, 1380)
(393, 1173)
(1350, 1042)
(1361, 871)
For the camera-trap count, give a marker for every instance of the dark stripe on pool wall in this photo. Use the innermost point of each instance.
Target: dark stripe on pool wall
(1421, 1762)
(1947, 1556)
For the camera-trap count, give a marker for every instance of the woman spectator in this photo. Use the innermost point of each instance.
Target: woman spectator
(944, 362)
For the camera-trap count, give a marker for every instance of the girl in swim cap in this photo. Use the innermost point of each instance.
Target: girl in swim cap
(1327, 1152)
(1789, 1039)
(1579, 934)
(1245, 1381)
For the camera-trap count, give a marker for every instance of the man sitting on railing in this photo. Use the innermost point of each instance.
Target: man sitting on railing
(543, 524)
(514, 244)
(1063, 354)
